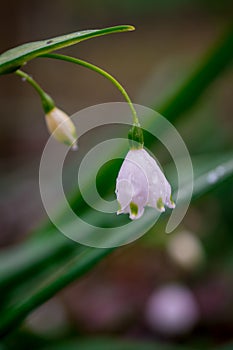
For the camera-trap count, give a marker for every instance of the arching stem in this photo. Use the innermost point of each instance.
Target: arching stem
(47, 101)
(101, 72)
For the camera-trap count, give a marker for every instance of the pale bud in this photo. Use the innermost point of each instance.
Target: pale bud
(61, 127)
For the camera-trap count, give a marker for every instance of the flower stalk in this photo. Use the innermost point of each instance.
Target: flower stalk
(58, 122)
(47, 101)
(101, 72)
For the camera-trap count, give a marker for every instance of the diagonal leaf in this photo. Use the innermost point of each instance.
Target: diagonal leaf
(25, 340)
(228, 346)
(113, 344)
(35, 291)
(14, 58)
(215, 61)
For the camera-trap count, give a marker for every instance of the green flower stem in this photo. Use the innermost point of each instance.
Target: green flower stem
(101, 72)
(47, 102)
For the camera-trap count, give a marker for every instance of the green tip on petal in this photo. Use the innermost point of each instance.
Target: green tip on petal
(171, 200)
(133, 208)
(160, 204)
(119, 206)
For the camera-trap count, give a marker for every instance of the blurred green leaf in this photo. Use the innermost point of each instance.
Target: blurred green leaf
(221, 169)
(33, 292)
(215, 61)
(228, 346)
(210, 170)
(34, 255)
(113, 344)
(14, 58)
(28, 341)
(47, 282)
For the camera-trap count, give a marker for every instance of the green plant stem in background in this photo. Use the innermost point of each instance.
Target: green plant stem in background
(214, 62)
(101, 72)
(47, 102)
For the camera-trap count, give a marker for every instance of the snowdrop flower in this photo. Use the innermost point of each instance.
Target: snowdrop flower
(61, 127)
(141, 183)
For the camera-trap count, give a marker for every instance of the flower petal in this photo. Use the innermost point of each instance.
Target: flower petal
(124, 192)
(141, 183)
(133, 181)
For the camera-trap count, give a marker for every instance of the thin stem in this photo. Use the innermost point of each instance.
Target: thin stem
(101, 72)
(47, 101)
(31, 81)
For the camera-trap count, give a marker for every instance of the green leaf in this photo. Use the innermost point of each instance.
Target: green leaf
(14, 58)
(228, 346)
(25, 340)
(40, 253)
(113, 344)
(216, 59)
(32, 293)
(49, 280)
(212, 170)
(209, 171)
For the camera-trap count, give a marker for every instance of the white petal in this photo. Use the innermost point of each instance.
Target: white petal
(124, 192)
(159, 187)
(142, 183)
(136, 195)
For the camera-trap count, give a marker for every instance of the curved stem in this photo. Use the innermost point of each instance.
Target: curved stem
(47, 101)
(101, 72)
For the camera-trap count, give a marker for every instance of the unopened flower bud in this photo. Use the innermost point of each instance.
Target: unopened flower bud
(61, 127)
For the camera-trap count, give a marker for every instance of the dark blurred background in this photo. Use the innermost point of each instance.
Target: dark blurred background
(169, 39)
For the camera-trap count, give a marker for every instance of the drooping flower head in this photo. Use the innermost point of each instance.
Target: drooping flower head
(141, 183)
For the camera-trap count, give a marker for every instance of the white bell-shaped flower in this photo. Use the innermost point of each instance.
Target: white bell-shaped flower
(141, 183)
(61, 127)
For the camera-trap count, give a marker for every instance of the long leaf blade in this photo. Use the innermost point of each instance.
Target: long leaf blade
(32, 294)
(14, 58)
